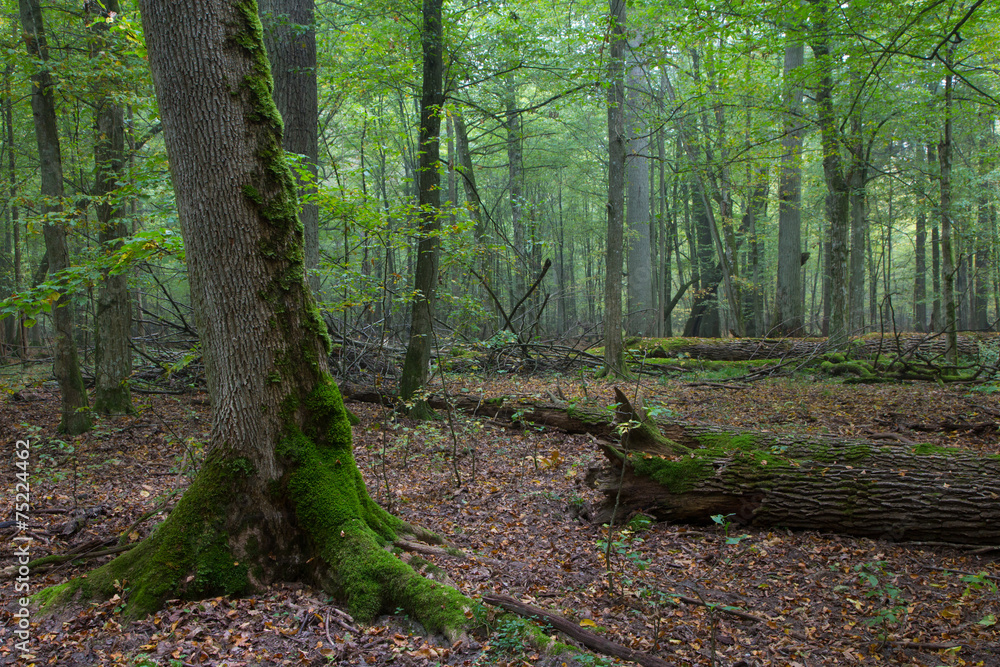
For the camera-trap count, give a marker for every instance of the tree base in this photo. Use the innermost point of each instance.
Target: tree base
(231, 534)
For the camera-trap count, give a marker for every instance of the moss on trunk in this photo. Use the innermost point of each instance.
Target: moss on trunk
(209, 546)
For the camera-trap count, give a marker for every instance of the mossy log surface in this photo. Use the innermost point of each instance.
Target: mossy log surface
(855, 487)
(748, 349)
(690, 472)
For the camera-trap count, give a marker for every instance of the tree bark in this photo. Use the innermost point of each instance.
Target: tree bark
(290, 38)
(614, 348)
(690, 472)
(279, 496)
(639, 320)
(871, 489)
(947, 255)
(416, 364)
(75, 412)
(838, 189)
(788, 300)
(113, 316)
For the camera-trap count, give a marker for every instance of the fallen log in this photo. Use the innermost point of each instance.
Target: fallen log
(683, 472)
(747, 349)
(856, 487)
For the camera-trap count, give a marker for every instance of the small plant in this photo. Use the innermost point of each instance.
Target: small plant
(724, 521)
(888, 598)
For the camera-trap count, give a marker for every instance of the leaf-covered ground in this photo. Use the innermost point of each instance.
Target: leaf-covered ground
(515, 499)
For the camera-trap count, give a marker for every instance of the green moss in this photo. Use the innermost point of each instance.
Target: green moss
(187, 557)
(678, 475)
(729, 441)
(927, 449)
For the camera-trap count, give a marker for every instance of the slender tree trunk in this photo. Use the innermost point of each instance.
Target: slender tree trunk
(75, 410)
(113, 318)
(948, 261)
(920, 250)
(515, 173)
(614, 349)
(20, 338)
(838, 190)
(416, 364)
(640, 271)
(859, 247)
(936, 321)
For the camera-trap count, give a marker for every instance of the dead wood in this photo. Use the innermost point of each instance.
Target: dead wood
(592, 641)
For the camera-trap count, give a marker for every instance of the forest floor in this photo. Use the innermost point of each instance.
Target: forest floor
(515, 499)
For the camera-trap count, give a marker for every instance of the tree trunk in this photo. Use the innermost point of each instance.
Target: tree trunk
(290, 38)
(279, 496)
(113, 317)
(788, 300)
(416, 364)
(614, 349)
(639, 320)
(838, 191)
(75, 413)
(920, 250)
(947, 256)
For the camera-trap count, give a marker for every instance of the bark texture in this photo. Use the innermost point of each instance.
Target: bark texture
(279, 496)
(113, 318)
(416, 364)
(290, 38)
(898, 492)
(614, 350)
(75, 413)
(788, 301)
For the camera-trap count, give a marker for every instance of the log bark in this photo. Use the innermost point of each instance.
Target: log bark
(855, 487)
(746, 349)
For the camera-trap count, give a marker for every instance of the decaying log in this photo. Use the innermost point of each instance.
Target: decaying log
(746, 349)
(690, 472)
(856, 487)
(589, 639)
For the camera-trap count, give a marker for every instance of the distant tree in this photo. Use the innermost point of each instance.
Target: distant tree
(75, 407)
(113, 316)
(614, 348)
(416, 364)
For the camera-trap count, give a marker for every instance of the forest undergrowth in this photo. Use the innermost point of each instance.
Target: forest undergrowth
(515, 498)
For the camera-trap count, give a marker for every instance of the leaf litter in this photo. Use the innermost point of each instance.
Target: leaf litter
(515, 499)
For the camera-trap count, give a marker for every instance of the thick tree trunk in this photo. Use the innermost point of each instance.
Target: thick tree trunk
(113, 318)
(279, 496)
(75, 413)
(416, 364)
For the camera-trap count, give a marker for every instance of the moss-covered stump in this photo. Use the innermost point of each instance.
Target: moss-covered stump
(900, 492)
(234, 532)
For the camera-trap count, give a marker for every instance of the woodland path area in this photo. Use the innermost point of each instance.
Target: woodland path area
(691, 595)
